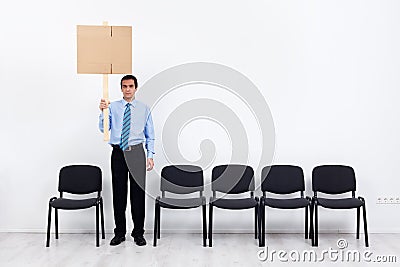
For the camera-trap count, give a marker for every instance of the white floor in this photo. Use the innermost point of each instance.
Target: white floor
(17, 249)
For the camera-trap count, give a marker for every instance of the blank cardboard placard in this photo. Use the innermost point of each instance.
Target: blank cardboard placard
(104, 49)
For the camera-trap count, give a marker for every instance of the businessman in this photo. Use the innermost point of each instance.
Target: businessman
(131, 127)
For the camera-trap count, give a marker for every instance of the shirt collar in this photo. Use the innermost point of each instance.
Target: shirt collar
(133, 103)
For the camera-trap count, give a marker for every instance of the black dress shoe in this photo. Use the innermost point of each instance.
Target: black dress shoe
(117, 240)
(140, 241)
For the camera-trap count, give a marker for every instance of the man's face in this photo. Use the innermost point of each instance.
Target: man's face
(128, 89)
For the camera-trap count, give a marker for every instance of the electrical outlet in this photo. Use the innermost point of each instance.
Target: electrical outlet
(388, 200)
(381, 200)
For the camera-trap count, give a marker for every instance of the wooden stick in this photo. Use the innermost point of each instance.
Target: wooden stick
(105, 111)
(105, 96)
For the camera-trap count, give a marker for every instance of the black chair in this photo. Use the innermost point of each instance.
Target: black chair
(182, 180)
(283, 180)
(78, 179)
(337, 179)
(232, 179)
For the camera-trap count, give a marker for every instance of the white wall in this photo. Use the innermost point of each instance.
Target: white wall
(328, 71)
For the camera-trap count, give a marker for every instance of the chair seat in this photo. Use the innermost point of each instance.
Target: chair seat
(235, 204)
(176, 203)
(73, 204)
(343, 203)
(291, 203)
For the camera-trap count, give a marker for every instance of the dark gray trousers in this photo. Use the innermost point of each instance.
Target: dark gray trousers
(130, 164)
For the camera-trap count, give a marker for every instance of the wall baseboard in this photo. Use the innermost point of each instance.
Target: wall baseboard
(195, 231)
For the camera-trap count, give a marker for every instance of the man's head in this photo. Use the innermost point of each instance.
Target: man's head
(129, 87)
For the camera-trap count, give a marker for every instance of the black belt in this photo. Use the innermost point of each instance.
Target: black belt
(129, 148)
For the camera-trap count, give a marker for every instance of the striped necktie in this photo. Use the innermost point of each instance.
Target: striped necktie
(126, 127)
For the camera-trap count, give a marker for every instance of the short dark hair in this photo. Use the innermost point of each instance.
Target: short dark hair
(129, 77)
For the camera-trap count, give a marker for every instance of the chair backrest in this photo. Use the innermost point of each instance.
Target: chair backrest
(282, 179)
(182, 179)
(80, 179)
(333, 179)
(233, 179)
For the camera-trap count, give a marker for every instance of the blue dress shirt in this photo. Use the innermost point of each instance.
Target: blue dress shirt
(142, 129)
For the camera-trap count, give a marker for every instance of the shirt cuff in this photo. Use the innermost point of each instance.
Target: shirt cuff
(150, 154)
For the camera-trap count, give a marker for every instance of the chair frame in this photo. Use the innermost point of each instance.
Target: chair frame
(157, 208)
(308, 225)
(214, 197)
(353, 194)
(98, 205)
